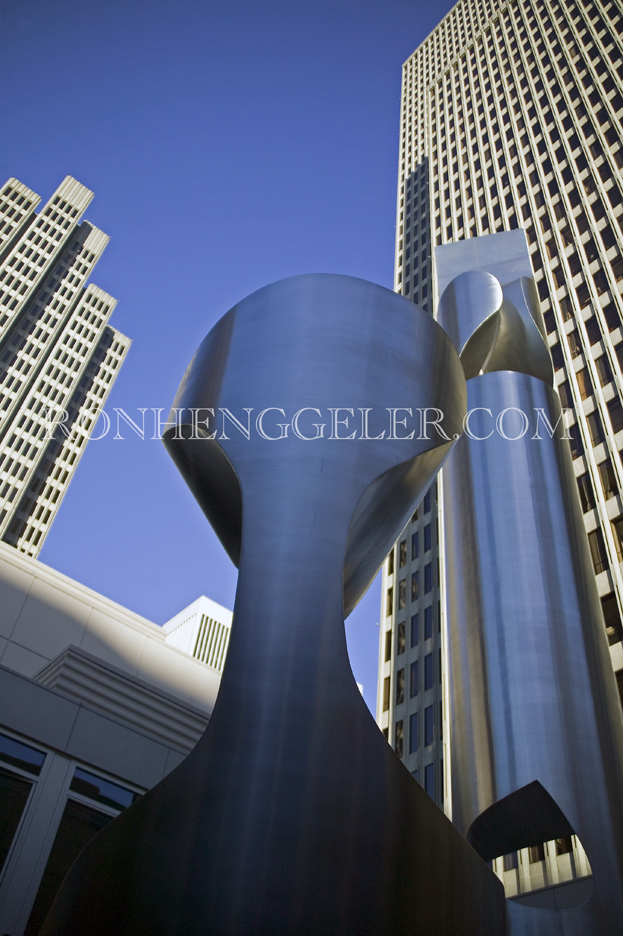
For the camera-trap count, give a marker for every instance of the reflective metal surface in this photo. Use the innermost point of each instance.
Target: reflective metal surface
(536, 723)
(293, 815)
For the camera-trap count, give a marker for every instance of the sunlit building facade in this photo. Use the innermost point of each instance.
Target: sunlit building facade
(511, 117)
(58, 355)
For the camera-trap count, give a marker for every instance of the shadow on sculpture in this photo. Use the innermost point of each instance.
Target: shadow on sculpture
(293, 815)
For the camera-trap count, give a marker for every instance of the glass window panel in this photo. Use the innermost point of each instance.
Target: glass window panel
(429, 722)
(21, 755)
(415, 629)
(429, 780)
(104, 791)
(414, 733)
(78, 825)
(13, 796)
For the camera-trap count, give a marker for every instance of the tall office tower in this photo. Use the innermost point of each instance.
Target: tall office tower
(58, 356)
(511, 117)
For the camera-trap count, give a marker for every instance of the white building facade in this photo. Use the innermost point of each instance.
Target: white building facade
(58, 355)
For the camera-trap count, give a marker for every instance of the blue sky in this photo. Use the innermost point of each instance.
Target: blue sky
(229, 143)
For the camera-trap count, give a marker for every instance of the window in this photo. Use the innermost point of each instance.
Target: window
(414, 733)
(415, 629)
(402, 593)
(617, 532)
(428, 578)
(612, 618)
(102, 791)
(575, 345)
(427, 537)
(401, 641)
(598, 551)
(428, 622)
(608, 478)
(403, 554)
(387, 683)
(388, 646)
(585, 488)
(428, 671)
(604, 370)
(429, 724)
(537, 853)
(415, 585)
(390, 600)
(427, 502)
(429, 780)
(399, 737)
(584, 383)
(595, 428)
(564, 846)
(414, 686)
(20, 755)
(415, 551)
(400, 687)
(615, 411)
(390, 563)
(510, 861)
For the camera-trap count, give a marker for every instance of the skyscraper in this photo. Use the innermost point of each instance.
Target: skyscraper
(58, 356)
(511, 117)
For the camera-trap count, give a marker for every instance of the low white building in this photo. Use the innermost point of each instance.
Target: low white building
(97, 705)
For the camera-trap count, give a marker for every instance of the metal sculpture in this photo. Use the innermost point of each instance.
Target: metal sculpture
(304, 428)
(536, 723)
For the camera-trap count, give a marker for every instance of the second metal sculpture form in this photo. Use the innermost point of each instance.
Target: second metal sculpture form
(536, 723)
(302, 427)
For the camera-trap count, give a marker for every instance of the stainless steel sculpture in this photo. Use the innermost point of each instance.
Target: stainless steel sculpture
(293, 815)
(536, 724)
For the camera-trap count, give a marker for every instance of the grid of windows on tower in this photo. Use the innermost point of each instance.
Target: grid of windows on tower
(410, 700)
(58, 356)
(511, 117)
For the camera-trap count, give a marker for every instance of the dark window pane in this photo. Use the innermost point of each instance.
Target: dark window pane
(608, 478)
(21, 755)
(587, 497)
(13, 795)
(399, 737)
(615, 411)
(598, 551)
(428, 578)
(565, 395)
(557, 355)
(428, 623)
(510, 861)
(77, 827)
(96, 788)
(414, 687)
(389, 606)
(402, 593)
(593, 330)
(429, 780)
(415, 585)
(612, 618)
(429, 723)
(415, 629)
(577, 449)
(402, 641)
(427, 502)
(400, 686)
(604, 370)
(564, 845)
(428, 671)
(415, 551)
(390, 563)
(388, 645)
(387, 682)
(575, 346)
(414, 733)
(428, 539)
(403, 554)
(537, 853)
(584, 383)
(595, 428)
